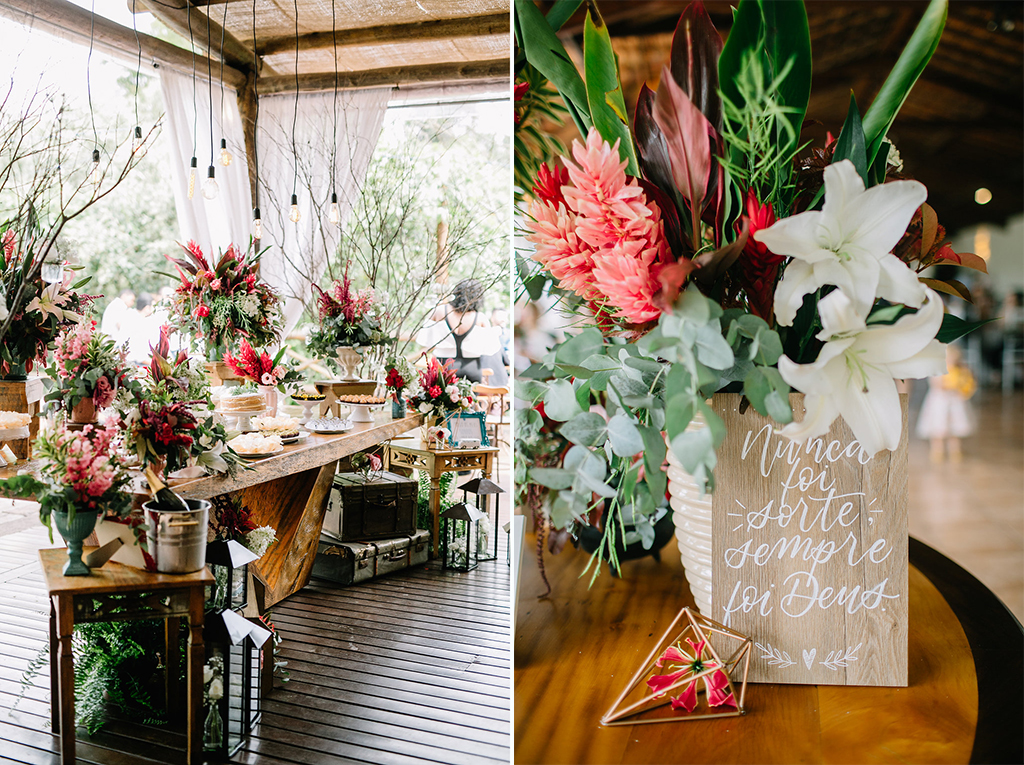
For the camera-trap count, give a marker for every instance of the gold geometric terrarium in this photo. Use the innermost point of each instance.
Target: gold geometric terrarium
(696, 656)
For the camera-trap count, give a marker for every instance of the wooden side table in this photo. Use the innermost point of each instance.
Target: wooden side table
(119, 593)
(412, 454)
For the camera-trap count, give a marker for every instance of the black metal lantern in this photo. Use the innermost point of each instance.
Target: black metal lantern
(229, 563)
(232, 680)
(486, 488)
(459, 537)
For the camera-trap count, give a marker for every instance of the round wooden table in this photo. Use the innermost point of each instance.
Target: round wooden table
(576, 650)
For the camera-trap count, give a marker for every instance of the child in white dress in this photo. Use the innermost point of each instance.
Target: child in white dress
(946, 414)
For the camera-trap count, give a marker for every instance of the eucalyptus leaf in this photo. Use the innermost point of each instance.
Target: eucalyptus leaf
(587, 429)
(624, 436)
(580, 347)
(692, 448)
(595, 485)
(553, 478)
(560, 401)
(712, 350)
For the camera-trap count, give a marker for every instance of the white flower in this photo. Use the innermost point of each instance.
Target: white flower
(207, 674)
(847, 243)
(853, 374)
(259, 540)
(49, 302)
(216, 692)
(425, 407)
(452, 391)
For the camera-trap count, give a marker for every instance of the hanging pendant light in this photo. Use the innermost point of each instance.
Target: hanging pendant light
(137, 135)
(225, 155)
(192, 177)
(95, 175)
(294, 216)
(210, 187)
(257, 221)
(334, 215)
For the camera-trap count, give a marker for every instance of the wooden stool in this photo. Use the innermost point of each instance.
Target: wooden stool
(78, 599)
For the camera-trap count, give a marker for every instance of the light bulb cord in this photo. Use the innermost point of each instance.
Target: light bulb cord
(295, 111)
(256, 111)
(88, 75)
(223, 26)
(138, 66)
(195, 108)
(334, 39)
(209, 77)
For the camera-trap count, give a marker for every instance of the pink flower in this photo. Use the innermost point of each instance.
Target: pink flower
(202, 312)
(375, 462)
(279, 372)
(103, 396)
(597, 233)
(267, 379)
(716, 683)
(215, 284)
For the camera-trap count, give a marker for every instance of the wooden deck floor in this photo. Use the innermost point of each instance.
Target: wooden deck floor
(411, 668)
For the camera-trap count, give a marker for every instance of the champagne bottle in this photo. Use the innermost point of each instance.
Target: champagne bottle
(165, 498)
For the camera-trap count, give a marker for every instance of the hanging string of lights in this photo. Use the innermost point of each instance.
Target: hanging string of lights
(210, 188)
(294, 215)
(95, 176)
(334, 215)
(195, 113)
(257, 222)
(225, 155)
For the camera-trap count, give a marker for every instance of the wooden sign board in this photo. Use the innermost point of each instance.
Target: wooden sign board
(809, 551)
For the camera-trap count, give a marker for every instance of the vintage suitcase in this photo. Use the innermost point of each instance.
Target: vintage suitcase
(362, 508)
(353, 562)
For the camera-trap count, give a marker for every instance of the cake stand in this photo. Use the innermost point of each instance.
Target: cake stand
(240, 421)
(361, 412)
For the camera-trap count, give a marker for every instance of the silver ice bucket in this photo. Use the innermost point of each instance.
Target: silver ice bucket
(177, 539)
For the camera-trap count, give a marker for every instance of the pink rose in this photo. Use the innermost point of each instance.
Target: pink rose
(215, 284)
(267, 379)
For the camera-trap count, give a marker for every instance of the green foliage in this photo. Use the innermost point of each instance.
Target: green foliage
(533, 146)
(424, 520)
(604, 93)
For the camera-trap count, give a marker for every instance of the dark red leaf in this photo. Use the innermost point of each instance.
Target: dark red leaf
(696, 46)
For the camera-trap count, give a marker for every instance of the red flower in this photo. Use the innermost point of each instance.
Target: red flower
(520, 90)
(716, 684)
(435, 391)
(394, 380)
(549, 185)
(759, 266)
(202, 312)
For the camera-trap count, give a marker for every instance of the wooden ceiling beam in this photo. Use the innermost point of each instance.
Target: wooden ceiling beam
(441, 29)
(69, 21)
(236, 53)
(397, 75)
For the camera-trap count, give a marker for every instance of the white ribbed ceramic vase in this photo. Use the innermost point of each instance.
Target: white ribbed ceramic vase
(349, 358)
(691, 513)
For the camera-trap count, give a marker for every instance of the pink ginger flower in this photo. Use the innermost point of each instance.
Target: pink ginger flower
(597, 233)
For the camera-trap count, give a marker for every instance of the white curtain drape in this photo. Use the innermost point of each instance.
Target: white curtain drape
(300, 160)
(213, 223)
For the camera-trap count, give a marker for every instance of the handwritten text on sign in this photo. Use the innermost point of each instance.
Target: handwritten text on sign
(810, 552)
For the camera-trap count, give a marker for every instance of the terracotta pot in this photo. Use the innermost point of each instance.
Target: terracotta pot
(84, 412)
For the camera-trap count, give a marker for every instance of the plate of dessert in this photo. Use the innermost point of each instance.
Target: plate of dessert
(242, 402)
(361, 404)
(255, 446)
(328, 425)
(287, 428)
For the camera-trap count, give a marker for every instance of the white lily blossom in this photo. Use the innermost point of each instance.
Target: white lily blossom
(848, 243)
(853, 375)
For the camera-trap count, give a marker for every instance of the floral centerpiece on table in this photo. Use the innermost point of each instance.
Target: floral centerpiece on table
(44, 310)
(168, 415)
(399, 376)
(224, 302)
(438, 392)
(349, 319)
(260, 368)
(707, 254)
(87, 367)
(80, 478)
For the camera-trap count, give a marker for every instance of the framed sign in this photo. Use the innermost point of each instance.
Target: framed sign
(809, 551)
(468, 425)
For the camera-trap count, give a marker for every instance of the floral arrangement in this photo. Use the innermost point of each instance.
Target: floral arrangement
(706, 254)
(399, 375)
(168, 415)
(44, 310)
(438, 392)
(87, 364)
(348, 317)
(224, 302)
(232, 520)
(80, 471)
(366, 464)
(260, 369)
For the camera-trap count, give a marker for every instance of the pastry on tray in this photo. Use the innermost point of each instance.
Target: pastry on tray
(361, 399)
(333, 424)
(256, 443)
(308, 393)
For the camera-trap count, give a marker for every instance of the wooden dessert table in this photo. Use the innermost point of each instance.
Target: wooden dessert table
(136, 594)
(288, 491)
(410, 454)
(576, 650)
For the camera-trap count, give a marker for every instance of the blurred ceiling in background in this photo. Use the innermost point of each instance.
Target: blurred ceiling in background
(962, 127)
